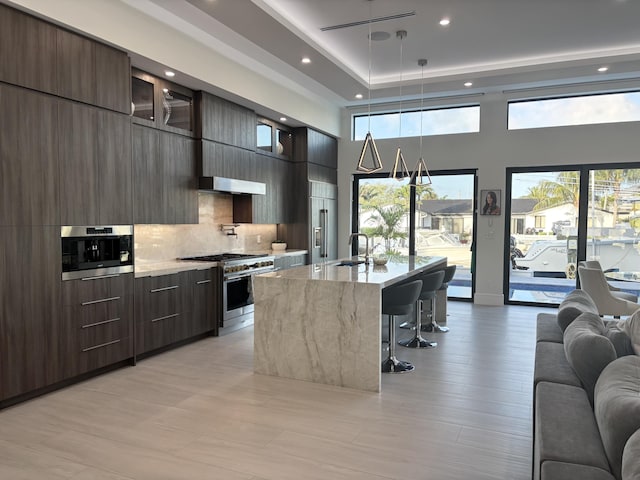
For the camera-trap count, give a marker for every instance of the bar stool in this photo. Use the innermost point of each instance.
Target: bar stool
(398, 300)
(449, 272)
(431, 283)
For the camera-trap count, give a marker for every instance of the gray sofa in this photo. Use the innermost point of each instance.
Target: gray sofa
(586, 416)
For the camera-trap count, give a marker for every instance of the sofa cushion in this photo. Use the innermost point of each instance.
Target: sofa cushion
(619, 338)
(631, 326)
(547, 328)
(551, 365)
(588, 350)
(565, 428)
(571, 471)
(631, 458)
(617, 407)
(575, 303)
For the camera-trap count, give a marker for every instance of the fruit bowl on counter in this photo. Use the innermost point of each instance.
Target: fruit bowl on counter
(380, 259)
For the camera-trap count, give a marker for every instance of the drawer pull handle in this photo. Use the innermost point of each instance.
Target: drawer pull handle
(201, 282)
(100, 277)
(173, 315)
(164, 289)
(100, 346)
(93, 302)
(101, 323)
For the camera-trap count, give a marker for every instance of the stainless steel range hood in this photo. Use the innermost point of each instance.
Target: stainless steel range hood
(232, 185)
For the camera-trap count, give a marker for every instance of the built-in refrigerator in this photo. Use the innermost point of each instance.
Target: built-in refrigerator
(324, 222)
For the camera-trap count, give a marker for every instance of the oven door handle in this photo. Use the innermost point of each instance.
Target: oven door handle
(234, 278)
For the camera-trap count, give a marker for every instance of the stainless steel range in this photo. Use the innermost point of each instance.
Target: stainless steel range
(236, 270)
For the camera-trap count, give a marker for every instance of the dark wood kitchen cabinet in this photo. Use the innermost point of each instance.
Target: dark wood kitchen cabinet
(92, 73)
(225, 122)
(97, 318)
(271, 207)
(43, 57)
(282, 262)
(162, 311)
(206, 301)
(165, 183)
(28, 157)
(95, 166)
(219, 160)
(28, 51)
(30, 323)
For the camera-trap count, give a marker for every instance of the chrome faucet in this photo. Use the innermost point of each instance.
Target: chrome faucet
(366, 251)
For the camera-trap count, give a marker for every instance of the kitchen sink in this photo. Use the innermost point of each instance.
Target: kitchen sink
(349, 263)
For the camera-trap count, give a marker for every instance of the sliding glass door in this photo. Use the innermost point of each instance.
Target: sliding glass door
(436, 220)
(559, 217)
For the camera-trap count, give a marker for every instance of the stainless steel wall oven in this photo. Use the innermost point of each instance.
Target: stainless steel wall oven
(93, 251)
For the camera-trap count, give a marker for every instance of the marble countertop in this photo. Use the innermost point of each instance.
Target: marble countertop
(167, 267)
(396, 270)
(170, 266)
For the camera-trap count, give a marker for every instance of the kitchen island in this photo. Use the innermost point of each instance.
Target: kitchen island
(322, 322)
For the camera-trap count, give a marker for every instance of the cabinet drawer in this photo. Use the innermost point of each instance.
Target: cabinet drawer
(96, 289)
(98, 335)
(104, 354)
(98, 323)
(162, 297)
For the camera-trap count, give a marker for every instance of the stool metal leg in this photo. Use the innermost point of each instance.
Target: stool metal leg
(392, 364)
(417, 341)
(433, 326)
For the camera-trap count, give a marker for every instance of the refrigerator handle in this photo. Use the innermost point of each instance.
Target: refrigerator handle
(323, 225)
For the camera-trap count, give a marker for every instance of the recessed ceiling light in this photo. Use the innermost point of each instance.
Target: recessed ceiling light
(306, 60)
(283, 119)
(169, 73)
(358, 96)
(468, 84)
(603, 69)
(445, 21)
(165, 90)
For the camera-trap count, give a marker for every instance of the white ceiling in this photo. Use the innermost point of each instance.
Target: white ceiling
(496, 44)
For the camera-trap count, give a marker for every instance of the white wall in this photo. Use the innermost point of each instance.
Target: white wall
(491, 151)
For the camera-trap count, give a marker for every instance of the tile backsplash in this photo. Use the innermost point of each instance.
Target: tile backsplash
(158, 243)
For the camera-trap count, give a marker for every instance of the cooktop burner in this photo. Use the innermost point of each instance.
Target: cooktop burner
(221, 257)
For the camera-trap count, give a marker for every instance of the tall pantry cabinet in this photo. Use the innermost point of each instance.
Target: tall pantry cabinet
(57, 90)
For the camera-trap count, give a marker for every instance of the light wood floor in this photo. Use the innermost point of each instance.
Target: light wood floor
(198, 412)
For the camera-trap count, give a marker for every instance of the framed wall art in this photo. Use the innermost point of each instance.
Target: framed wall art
(490, 201)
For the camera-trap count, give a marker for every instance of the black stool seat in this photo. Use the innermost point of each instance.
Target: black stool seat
(398, 300)
(431, 282)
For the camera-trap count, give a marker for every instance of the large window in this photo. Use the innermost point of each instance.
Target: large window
(583, 110)
(434, 122)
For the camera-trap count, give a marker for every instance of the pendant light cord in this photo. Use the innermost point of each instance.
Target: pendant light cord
(401, 34)
(421, 104)
(369, 80)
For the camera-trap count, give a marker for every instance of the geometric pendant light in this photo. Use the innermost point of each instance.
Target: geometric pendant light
(421, 174)
(400, 170)
(369, 143)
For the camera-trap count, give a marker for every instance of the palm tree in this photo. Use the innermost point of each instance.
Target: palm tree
(388, 221)
(610, 182)
(566, 189)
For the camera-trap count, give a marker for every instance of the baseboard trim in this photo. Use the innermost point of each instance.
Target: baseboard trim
(491, 299)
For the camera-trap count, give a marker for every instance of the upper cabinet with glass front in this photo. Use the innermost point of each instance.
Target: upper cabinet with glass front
(159, 103)
(273, 138)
